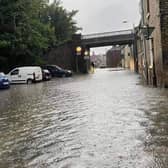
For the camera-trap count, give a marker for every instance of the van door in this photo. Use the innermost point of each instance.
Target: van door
(14, 76)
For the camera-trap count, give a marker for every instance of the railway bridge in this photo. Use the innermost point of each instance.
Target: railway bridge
(75, 55)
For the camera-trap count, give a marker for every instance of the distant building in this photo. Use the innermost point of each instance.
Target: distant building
(114, 58)
(99, 60)
(128, 57)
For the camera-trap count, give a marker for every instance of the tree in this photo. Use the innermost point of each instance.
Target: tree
(29, 27)
(61, 20)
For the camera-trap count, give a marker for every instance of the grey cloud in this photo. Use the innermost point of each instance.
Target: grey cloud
(104, 15)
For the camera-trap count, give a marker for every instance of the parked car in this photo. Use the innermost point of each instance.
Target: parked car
(57, 71)
(4, 82)
(46, 74)
(28, 74)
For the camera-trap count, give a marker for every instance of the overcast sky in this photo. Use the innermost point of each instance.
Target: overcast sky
(96, 16)
(104, 15)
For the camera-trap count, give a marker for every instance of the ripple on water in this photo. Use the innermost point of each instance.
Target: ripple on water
(103, 120)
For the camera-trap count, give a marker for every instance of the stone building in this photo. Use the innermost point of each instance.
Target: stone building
(99, 60)
(113, 57)
(152, 42)
(128, 57)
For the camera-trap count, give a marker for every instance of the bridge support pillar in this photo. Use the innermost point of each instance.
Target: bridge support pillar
(80, 61)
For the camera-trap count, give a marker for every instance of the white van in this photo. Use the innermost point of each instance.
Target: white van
(25, 74)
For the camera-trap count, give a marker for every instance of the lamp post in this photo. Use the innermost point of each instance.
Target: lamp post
(78, 53)
(87, 59)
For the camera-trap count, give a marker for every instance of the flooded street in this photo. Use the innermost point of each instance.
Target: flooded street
(102, 120)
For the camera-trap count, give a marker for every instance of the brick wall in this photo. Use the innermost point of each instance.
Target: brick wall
(62, 56)
(164, 35)
(65, 56)
(154, 44)
(113, 58)
(153, 60)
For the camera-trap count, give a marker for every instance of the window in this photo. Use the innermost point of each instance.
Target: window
(15, 72)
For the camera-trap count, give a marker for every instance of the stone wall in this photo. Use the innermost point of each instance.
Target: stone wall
(155, 14)
(62, 56)
(65, 56)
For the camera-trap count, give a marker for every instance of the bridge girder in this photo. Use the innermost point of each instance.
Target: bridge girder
(110, 38)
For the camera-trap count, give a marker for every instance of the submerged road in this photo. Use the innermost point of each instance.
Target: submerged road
(102, 120)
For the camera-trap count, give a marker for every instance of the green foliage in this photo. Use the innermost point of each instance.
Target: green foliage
(29, 27)
(62, 21)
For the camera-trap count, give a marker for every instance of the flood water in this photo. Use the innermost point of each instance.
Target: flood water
(102, 120)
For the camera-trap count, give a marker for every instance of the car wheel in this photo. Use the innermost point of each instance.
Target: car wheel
(29, 81)
(63, 75)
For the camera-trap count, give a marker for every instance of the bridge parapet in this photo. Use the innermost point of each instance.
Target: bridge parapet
(108, 34)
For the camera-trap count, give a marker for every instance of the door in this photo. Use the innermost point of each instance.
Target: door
(14, 76)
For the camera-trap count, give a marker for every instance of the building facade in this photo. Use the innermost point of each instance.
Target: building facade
(152, 42)
(113, 57)
(128, 57)
(99, 60)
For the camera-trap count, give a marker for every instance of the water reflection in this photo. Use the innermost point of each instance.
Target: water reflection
(156, 143)
(103, 120)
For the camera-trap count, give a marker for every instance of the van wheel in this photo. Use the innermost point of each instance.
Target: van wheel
(29, 81)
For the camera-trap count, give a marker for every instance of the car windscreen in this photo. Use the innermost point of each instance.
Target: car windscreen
(59, 68)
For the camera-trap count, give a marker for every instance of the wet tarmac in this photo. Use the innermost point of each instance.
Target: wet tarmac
(103, 120)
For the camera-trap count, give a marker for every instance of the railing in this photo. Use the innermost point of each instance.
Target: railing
(108, 34)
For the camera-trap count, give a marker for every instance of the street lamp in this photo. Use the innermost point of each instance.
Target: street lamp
(125, 21)
(147, 31)
(86, 53)
(78, 50)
